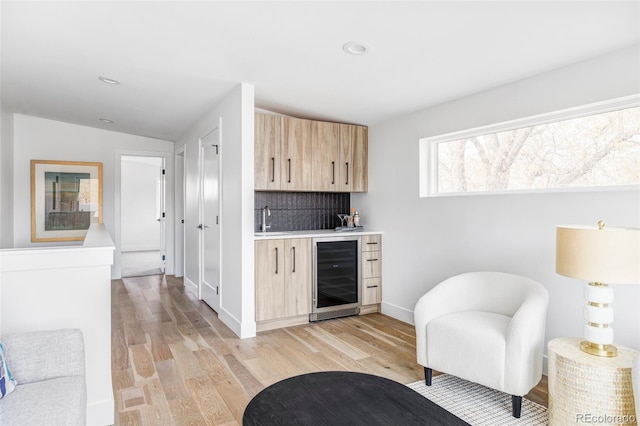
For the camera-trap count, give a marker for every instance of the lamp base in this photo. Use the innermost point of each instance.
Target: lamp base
(597, 349)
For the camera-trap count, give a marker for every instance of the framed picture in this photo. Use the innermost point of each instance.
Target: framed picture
(66, 197)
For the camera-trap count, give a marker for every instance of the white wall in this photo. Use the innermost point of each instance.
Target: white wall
(6, 178)
(140, 229)
(235, 113)
(41, 139)
(429, 239)
(179, 211)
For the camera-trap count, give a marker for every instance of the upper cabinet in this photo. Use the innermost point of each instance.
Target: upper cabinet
(282, 153)
(296, 155)
(267, 151)
(293, 154)
(325, 170)
(353, 158)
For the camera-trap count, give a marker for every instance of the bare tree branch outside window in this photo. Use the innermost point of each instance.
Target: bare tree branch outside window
(596, 150)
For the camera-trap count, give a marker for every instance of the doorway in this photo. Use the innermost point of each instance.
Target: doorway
(142, 193)
(209, 226)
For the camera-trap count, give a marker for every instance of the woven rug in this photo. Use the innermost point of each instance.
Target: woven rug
(478, 405)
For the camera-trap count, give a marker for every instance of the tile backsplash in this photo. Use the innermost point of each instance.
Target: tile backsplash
(301, 211)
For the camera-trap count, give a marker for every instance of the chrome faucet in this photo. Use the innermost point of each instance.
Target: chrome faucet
(266, 211)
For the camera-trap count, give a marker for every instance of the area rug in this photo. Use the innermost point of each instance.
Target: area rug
(343, 398)
(479, 405)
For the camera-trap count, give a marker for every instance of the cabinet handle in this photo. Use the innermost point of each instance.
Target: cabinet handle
(276, 260)
(333, 172)
(372, 286)
(273, 169)
(289, 180)
(294, 259)
(372, 260)
(347, 182)
(371, 243)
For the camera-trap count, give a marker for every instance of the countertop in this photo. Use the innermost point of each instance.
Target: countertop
(310, 234)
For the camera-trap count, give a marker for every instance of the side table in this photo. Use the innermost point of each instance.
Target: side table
(588, 389)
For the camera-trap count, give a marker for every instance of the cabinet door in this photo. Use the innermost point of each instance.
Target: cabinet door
(326, 156)
(345, 165)
(371, 291)
(372, 242)
(360, 149)
(269, 279)
(297, 294)
(296, 155)
(371, 264)
(353, 158)
(267, 147)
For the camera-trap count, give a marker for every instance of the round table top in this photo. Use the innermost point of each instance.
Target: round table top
(569, 347)
(343, 398)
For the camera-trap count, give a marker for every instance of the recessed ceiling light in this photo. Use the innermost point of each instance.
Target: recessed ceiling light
(108, 80)
(356, 48)
(106, 120)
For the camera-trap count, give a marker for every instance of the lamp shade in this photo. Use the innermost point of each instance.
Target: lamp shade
(608, 255)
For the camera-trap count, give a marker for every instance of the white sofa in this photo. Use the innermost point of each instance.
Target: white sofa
(49, 367)
(484, 327)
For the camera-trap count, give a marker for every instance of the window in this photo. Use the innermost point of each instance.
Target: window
(582, 148)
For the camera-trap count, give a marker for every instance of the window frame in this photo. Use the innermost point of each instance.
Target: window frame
(428, 159)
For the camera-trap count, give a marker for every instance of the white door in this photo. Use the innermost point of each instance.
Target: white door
(162, 217)
(209, 226)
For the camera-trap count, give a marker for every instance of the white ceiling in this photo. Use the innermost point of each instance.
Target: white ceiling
(176, 59)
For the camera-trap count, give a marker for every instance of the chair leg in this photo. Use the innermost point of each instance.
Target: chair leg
(427, 376)
(516, 404)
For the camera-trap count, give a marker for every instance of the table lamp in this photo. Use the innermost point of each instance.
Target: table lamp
(600, 256)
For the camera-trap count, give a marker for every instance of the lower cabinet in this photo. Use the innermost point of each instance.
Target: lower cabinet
(371, 273)
(371, 291)
(282, 282)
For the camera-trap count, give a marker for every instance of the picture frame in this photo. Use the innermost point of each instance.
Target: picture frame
(66, 198)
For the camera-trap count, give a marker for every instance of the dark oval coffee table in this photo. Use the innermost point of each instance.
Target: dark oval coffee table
(343, 398)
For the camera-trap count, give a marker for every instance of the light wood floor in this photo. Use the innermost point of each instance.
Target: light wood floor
(174, 362)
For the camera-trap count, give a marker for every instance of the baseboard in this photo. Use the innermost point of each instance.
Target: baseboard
(281, 323)
(140, 248)
(101, 413)
(397, 312)
(243, 330)
(191, 284)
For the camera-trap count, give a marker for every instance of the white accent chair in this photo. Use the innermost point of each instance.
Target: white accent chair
(484, 327)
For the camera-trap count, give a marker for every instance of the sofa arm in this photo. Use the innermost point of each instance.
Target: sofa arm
(43, 355)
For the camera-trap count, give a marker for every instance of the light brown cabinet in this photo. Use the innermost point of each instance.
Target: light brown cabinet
(282, 278)
(267, 151)
(371, 270)
(296, 155)
(293, 154)
(340, 157)
(353, 158)
(269, 279)
(282, 150)
(325, 143)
